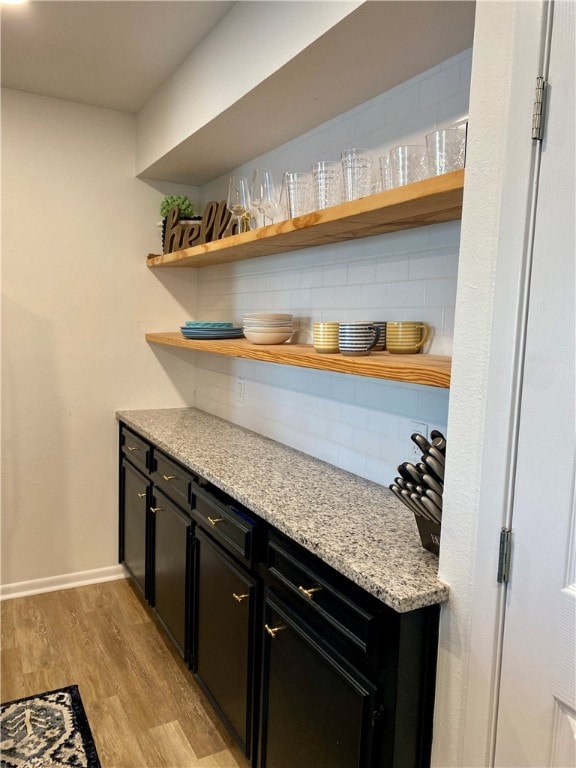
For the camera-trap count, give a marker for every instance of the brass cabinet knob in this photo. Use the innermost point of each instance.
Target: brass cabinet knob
(215, 520)
(131, 448)
(309, 592)
(141, 495)
(169, 477)
(155, 509)
(239, 598)
(273, 631)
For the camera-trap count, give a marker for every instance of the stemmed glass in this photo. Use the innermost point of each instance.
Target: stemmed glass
(238, 202)
(263, 195)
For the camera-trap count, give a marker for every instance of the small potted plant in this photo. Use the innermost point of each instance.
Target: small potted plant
(185, 208)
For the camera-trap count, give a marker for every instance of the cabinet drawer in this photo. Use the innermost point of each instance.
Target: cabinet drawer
(226, 521)
(135, 448)
(312, 586)
(174, 480)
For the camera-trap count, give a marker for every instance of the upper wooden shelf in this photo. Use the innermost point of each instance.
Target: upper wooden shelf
(430, 370)
(430, 201)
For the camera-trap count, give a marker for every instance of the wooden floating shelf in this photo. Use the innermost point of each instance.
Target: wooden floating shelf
(430, 201)
(430, 370)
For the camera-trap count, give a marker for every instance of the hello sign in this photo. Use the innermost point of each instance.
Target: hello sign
(215, 224)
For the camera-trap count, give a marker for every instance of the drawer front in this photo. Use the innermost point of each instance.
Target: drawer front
(135, 448)
(174, 480)
(312, 587)
(225, 521)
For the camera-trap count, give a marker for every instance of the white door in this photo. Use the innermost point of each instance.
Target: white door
(536, 723)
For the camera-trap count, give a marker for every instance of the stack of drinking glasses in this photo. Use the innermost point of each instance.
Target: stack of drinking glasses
(444, 151)
(354, 176)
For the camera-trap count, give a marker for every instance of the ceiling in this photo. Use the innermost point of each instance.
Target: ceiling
(108, 53)
(117, 53)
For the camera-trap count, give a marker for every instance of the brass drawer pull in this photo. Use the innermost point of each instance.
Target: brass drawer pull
(169, 477)
(309, 592)
(273, 631)
(155, 509)
(131, 448)
(215, 520)
(141, 495)
(239, 598)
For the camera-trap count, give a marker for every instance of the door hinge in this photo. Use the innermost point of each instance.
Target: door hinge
(538, 114)
(504, 556)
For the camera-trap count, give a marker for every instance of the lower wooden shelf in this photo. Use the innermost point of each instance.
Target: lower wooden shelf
(430, 370)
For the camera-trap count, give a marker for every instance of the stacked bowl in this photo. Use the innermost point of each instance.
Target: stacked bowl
(267, 328)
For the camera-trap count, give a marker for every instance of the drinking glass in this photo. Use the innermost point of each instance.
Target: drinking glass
(263, 194)
(446, 149)
(296, 194)
(356, 173)
(327, 179)
(408, 164)
(238, 202)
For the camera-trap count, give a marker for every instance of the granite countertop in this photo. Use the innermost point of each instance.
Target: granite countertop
(356, 526)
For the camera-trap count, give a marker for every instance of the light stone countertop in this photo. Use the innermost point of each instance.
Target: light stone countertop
(355, 525)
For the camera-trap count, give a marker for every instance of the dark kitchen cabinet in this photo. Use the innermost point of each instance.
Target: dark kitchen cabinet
(304, 667)
(171, 565)
(225, 613)
(346, 681)
(134, 539)
(316, 710)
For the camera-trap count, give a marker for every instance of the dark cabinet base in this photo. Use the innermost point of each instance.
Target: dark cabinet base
(317, 711)
(225, 613)
(304, 667)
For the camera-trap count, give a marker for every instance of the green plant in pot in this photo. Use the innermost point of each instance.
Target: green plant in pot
(185, 208)
(183, 203)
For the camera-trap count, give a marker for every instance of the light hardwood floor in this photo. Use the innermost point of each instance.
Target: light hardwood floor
(144, 707)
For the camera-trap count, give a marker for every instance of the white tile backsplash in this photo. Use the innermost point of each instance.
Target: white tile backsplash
(357, 423)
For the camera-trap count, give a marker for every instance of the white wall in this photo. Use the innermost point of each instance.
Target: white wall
(77, 299)
(360, 424)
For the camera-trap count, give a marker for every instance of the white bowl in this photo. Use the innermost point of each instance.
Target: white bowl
(267, 336)
(267, 316)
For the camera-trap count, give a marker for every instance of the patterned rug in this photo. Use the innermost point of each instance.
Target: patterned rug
(49, 730)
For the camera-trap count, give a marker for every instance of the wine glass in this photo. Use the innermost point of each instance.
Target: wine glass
(238, 202)
(263, 195)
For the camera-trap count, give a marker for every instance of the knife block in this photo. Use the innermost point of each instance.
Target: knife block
(429, 534)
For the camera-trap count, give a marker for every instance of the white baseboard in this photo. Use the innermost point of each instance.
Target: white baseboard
(67, 581)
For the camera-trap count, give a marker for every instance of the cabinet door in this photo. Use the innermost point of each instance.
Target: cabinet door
(134, 538)
(171, 556)
(316, 711)
(223, 657)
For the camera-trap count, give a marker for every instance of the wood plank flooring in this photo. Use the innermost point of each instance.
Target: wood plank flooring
(144, 707)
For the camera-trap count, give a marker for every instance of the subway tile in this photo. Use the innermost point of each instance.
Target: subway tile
(335, 274)
(351, 461)
(322, 297)
(339, 432)
(362, 272)
(441, 292)
(393, 269)
(357, 423)
(311, 277)
(453, 109)
(428, 264)
(354, 415)
(408, 294)
(440, 86)
(375, 297)
(301, 299)
(347, 297)
(366, 442)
